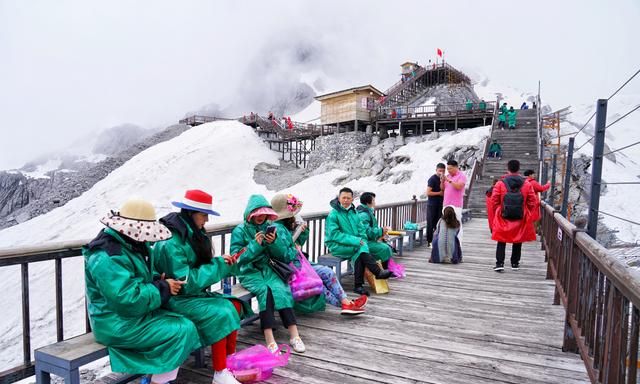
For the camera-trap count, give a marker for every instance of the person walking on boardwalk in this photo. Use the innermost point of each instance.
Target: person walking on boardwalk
(289, 224)
(256, 235)
(513, 201)
(346, 239)
(453, 185)
(378, 248)
(511, 118)
(125, 301)
(188, 256)
(435, 194)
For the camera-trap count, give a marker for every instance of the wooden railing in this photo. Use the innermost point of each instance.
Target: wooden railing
(601, 298)
(393, 215)
(435, 111)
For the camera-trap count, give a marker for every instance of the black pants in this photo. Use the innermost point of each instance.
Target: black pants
(365, 260)
(434, 213)
(268, 319)
(516, 251)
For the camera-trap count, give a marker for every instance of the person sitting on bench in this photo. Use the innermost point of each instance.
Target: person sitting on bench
(288, 247)
(495, 150)
(378, 248)
(257, 275)
(346, 239)
(188, 256)
(124, 299)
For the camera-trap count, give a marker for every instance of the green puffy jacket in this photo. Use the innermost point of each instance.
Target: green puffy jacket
(124, 309)
(213, 314)
(495, 147)
(469, 105)
(380, 250)
(504, 109)
(502, 116)
(483, 105)
(511, 117)
(283, 248)
(344, 234)
(255, 273)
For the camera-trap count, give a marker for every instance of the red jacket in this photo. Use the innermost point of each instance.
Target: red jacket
(537, 188)
(489, 203)
(513, 231)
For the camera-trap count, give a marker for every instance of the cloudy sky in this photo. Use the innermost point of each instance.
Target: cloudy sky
(69, 69)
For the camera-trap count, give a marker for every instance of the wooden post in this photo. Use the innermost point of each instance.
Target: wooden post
(355, 125)
(421, 129)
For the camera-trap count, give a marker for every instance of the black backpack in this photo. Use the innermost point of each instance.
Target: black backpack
(513, 202)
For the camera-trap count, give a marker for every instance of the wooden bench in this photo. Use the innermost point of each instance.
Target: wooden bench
(328, 260)
(398, 242)
(65, 358)
(412, 235)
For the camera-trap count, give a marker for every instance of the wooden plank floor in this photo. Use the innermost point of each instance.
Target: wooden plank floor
(442, 324)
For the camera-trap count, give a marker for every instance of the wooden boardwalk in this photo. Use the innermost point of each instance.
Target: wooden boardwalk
(442, 324)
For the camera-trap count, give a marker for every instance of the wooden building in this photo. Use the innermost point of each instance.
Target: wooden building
(349, 108)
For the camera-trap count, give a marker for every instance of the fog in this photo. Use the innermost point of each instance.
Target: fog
(70, 69)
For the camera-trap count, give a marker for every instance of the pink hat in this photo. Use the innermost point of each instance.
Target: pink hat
(272, 215)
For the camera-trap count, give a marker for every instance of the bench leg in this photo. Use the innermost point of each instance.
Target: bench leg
(339, 271)
(42, 377)
(400, 245)
(421, 237)
(72, 377)
(412, 240)
(198, 356)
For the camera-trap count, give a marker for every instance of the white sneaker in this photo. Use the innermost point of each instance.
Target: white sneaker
(273, 347)
(224, 377)
(297, 345)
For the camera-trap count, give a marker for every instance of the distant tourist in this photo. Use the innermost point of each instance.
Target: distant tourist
(511, 118)
(346, 239)
(504, 108)
(524, 105)
(489, 203)
(454, 183)
(513, 201)
(187, 256)
(534, 105)
(394, 114)
(502, 119)
(435, 193)
(469, 105)
(495, 150)
(256, 235)
(482, 105)
(125, 300)
(446, 243)
(530, 175)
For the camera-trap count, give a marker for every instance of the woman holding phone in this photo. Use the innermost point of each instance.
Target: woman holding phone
(188, 256)
(257, 235)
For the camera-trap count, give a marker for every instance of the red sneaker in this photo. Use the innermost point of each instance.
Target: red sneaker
(361, 301)
(351, 310)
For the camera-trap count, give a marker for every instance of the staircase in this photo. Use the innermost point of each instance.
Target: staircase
(519, 144)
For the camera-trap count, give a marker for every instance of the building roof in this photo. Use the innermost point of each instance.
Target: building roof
(343, 92)
(408, 62)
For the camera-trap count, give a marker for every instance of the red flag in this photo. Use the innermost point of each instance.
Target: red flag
(439, 51)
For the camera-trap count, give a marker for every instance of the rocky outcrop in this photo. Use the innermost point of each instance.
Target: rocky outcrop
(22, 198)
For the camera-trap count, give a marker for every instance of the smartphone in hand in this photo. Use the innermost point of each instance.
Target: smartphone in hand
(270, 230)
(236, 255)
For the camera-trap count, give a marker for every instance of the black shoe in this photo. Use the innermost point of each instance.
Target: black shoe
(361, 291)
(515, 266)
(499, 267)
(385, 274)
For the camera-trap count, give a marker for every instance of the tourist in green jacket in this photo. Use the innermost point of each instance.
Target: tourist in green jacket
(124, 299)
(469, 105)
(256, 274)
(511, 118)
(287, 248)
(375, 233)
(188, 256)
(346, 239)
(482, 105)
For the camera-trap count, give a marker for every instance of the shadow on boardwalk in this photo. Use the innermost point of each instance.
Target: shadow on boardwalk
(442, 324)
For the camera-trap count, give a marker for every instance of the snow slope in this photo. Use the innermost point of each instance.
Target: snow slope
(626, 168)
(217, 157)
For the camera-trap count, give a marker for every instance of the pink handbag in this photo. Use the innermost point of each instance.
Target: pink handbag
(305, 282)
(257, 363)
(397, 269)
